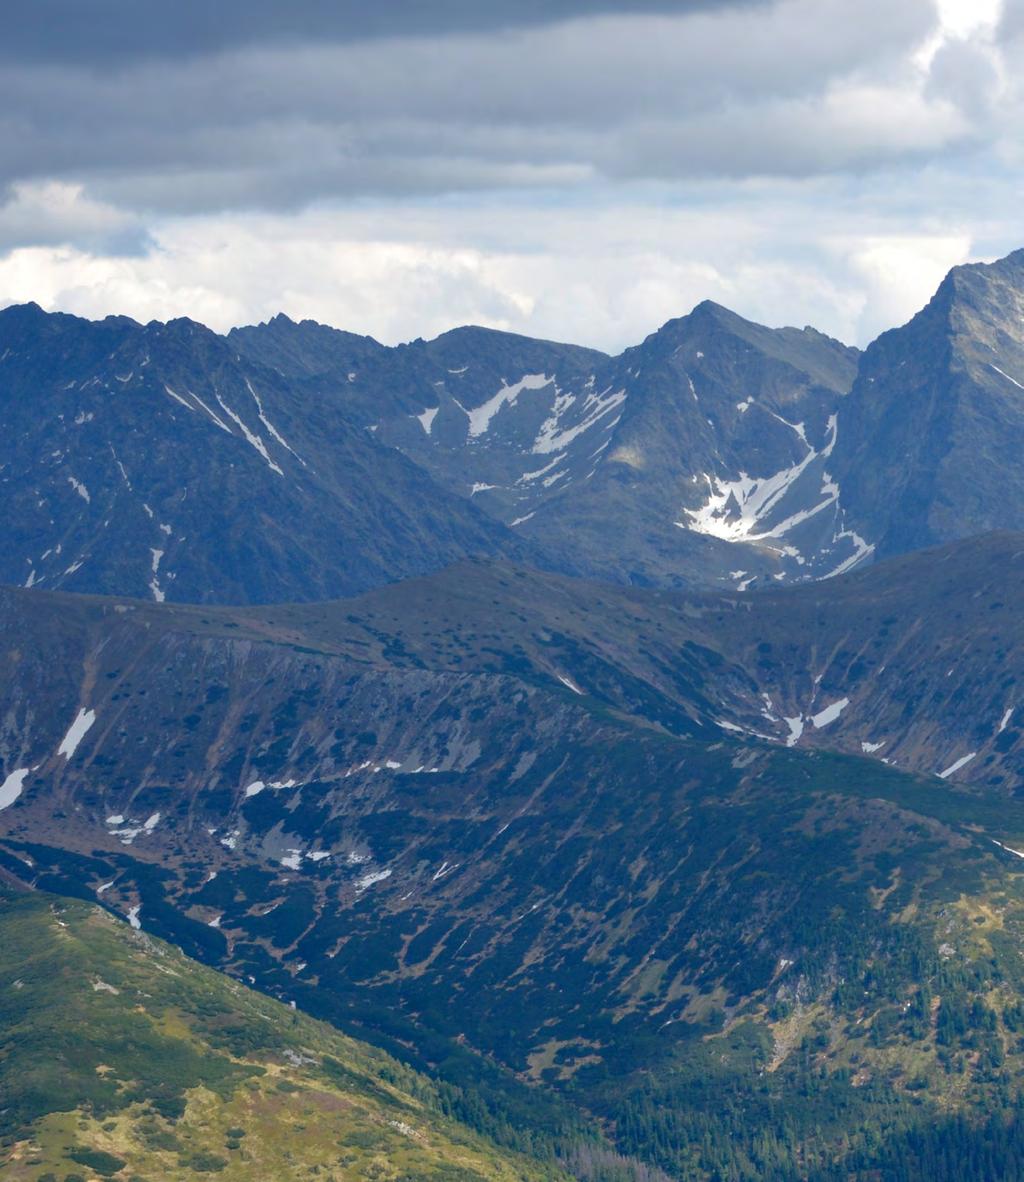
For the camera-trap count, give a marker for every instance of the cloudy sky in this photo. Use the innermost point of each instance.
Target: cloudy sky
(577, 169)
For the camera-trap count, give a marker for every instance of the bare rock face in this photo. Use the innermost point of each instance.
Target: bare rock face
(691, 458)
(717, 472)
(151, 461)
(294, 461)
(931, 435)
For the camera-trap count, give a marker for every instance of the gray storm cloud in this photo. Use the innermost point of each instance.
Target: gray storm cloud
(118, 31)
(701, 90)
(574, 168)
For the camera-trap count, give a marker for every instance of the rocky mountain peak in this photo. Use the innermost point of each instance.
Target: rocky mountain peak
(929, 432)
(716, 452)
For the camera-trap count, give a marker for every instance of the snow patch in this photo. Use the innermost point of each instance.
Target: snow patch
(178, 398)
(796, 730)
(1007, 376)
(272, 430)
(124, 474)
(1009, 849)
(11, 788)
(128, 834)
(257, 786)
(76, 733)
(827, 716)
(736, 510)
(80, 488)
(154, 582)
(862, 551)
(219, 422)
(426, 420)
(480, 419)
(528, 477)
(552, 438)
(368, 880)
(963, 761)
(254, 441)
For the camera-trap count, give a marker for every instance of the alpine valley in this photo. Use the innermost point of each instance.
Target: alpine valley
(489, 759)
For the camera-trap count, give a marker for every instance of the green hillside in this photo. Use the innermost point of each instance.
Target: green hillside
(120, 1057)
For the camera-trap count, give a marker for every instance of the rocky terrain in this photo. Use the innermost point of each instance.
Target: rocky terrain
(932, 427)
(636, 468)
(297, 462)
(149, 461)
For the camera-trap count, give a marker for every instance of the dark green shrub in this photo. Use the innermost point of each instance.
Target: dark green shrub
(103, 1163)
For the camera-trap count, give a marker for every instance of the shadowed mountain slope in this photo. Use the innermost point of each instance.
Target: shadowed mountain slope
(501, 812)
(932, 433)
(917, 660)
(150, 461)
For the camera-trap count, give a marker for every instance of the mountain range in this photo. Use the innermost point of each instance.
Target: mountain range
(296, 462)
(560, 764)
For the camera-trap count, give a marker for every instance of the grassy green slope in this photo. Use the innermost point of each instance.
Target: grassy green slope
(120, 1057)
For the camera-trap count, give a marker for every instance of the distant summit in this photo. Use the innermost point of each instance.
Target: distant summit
(291, 460)
(933, 431)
